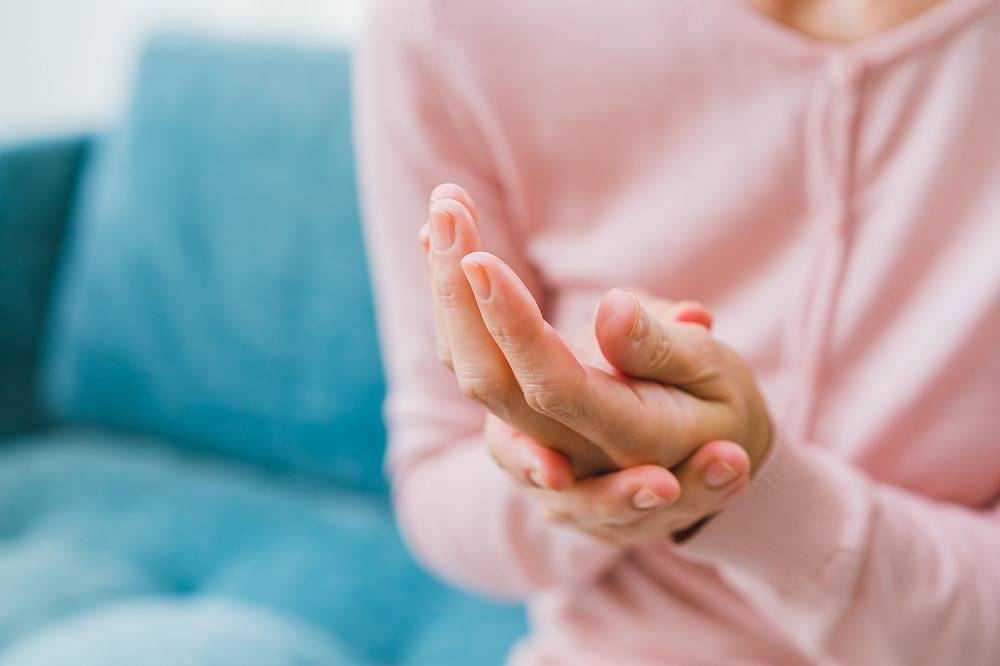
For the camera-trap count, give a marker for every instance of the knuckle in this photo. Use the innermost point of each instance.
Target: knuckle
(706, 352)
(480, 390)
(502, 333)
(444, 355)
(516, 338)
(446, 291)
(555, 401)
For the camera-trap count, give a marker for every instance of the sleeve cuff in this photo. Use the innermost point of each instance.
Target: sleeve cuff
(799, 525)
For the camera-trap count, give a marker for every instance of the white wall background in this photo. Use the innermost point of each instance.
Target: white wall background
(67, 65)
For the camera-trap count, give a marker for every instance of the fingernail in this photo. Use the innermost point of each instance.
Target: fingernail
(639, 323)
(478, 279)
(437, 194)
(647, 499)
(719, 473)
(442, 230)
(536, 479)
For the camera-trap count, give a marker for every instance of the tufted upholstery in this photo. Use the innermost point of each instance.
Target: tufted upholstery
(91, 522)
(207, 488)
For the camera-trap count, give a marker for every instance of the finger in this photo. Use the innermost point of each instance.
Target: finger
(424, 237)
(440, 330)
(664, 309)
(712, 479)
(633, 422)
(525, 459)
(463, 343)
(455, 193)
(668, 349)
(688, 311)
(615, 499)
(628, 509)
(480, 367)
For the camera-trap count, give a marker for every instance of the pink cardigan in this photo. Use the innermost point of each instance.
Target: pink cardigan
(838, 208)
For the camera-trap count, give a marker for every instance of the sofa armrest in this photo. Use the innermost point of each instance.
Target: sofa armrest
(37, 183)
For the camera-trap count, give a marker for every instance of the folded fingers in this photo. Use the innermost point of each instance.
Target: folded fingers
(615, 500)
(528, 461)
(647, 503)
(633, 422)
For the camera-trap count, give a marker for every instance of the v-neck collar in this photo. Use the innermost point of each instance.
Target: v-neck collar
(767, 33)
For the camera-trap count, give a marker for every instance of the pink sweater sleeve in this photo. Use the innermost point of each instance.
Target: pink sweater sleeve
(856, 572)
(459, 512)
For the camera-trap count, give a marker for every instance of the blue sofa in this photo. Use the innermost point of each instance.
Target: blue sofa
(190, 387)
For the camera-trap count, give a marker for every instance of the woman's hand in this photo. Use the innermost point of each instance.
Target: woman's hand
(466, 346)
(638, 505)
(678, 388)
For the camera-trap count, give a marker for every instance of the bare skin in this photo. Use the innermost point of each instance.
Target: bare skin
(844, 21)
(681, 412)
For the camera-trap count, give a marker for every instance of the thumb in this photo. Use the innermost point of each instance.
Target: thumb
(666, 342)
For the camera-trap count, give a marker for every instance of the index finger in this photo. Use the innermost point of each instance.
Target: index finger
(480, 367)
(632, 421)
(456, 193)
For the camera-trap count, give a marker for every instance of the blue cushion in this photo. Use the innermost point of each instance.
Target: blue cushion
(37, 181)
(95, 528)
(174, 632)
(216, 291)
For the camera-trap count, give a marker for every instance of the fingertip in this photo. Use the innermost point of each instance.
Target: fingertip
(720, 473)
(723, 463)
(693, 312)
(651, 486)
(480, 258)
(731, 452)
(453, 192)
(552, 477)
(453, 207)
(645, 499)
(447, 191)
(534, 478)
(424, 236)
(453, 228)
(619, 323)
(478, 278)
(547, 468)
(502, 279)
(618, 312)
(665, 484)
(558, 475)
